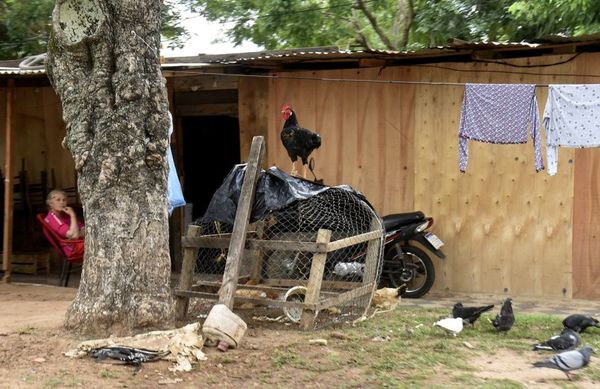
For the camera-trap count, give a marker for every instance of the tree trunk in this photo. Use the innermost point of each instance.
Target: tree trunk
(103, 62)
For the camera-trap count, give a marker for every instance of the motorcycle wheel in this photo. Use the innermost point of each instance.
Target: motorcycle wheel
(411, 266)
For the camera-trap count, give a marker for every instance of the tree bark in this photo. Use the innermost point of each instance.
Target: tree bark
(103, 62)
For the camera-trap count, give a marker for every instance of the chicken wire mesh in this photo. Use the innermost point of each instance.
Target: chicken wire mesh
(285, 265)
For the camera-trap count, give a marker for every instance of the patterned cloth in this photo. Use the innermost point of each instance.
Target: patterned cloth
(571, 119)
(501, 114)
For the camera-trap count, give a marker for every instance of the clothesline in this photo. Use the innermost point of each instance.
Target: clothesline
(504, 114)
(355, 80)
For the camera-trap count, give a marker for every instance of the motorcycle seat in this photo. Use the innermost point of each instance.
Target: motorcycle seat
(400, 219)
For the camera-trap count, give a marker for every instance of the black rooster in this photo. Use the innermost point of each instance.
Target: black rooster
(298, 141)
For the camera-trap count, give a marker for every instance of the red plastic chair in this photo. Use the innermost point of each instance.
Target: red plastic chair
(57, 242)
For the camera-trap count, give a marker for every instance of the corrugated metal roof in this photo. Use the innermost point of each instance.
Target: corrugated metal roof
(332, 54)
(21, 72)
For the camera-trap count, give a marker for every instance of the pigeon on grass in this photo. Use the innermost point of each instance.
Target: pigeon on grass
(567, 340)
(505, 319)
(579, 323)
(451, 325)
(568, 360)
(469, 314)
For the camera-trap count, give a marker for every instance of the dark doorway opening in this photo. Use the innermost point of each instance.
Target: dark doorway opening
(211, 147)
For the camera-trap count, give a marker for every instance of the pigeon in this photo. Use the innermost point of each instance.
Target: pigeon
(469, 314)
(567, 340)
(568, 360)
(505, 319)
(451, 325)
(579, 323)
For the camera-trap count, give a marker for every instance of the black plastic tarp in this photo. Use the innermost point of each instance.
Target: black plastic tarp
(275, 190)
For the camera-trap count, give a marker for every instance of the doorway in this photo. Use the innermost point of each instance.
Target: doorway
(211, 147)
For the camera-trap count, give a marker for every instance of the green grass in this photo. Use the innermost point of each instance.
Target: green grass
(28, 330)
(416, 354)
(108, 373)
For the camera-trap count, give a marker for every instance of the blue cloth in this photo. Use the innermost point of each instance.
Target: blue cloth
(175, 194)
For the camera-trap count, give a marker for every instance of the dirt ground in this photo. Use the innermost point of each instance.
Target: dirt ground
(32, 341)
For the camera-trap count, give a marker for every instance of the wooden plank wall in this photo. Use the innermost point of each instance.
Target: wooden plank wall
(363, 127)
(586, 212)
(508, 229)
(38, 132)
(253, 111)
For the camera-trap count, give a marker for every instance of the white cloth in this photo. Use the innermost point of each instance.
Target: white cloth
(175, 194)
(571, 119)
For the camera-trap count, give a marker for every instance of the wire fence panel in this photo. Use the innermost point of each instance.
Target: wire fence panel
(276, 264)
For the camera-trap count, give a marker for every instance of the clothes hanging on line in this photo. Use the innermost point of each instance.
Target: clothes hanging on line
(571, 119)
(500, 114)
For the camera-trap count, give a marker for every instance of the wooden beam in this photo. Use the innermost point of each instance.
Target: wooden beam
(255, 300)
(199, 83)
(8, 183)
(346, 296)
(341, 243)
(229, 109)
(240, 225)
(187, 273)
(256, 256)
(313, 288)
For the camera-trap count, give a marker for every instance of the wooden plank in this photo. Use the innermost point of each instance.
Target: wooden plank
(256, 256)
(8, 184)
(201, 97)
(258, 301)
(586, 208)
(374, 254)
(262, 287)
(199, 83)
(347, 296)
(240, 225)
(223, 240)
(253, 110)
(225, 109)
(356, 239)
(586, 225)
(187, 272)
(325, 284)
(313, 288)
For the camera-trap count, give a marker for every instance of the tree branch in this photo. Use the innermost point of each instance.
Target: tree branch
(404, 18)
(361, 39)
(360, 5)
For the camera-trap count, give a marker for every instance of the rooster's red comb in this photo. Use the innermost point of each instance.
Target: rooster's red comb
(285, 107)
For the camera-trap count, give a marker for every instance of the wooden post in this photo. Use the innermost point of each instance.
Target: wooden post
(187, 273)
(240, 225)
(313, 288)
(8, 184)
(372, 260)
(256, 255)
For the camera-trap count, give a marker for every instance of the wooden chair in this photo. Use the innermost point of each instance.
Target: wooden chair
(58, 243)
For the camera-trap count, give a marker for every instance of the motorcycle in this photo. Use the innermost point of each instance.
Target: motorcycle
(405, 263)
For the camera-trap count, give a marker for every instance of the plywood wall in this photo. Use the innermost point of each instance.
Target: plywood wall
(508, 230)
(586, 212)
(38, 131)
(365, 129)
